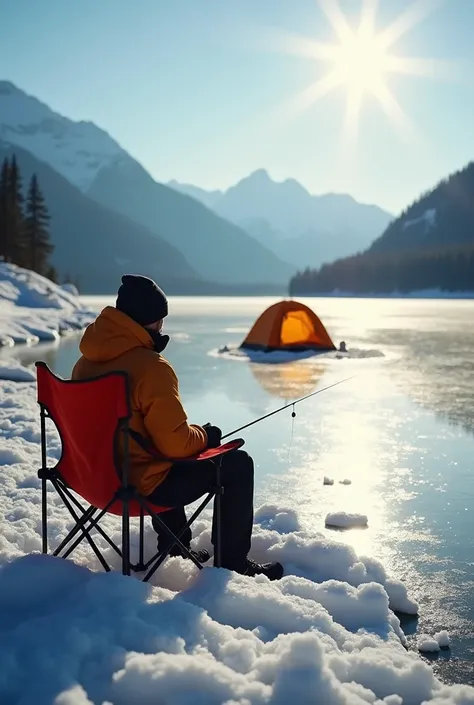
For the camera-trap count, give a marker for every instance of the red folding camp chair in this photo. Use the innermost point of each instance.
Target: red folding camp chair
(90, 416)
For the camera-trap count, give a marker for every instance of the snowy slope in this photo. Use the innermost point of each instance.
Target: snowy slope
(32, 308)
(77, 150)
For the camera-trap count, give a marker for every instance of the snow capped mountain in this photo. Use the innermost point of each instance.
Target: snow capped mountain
(77, 150)
(89, 159)
(288, 207)
(299, 227)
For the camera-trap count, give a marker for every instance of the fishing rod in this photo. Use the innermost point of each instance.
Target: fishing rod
(287, 406)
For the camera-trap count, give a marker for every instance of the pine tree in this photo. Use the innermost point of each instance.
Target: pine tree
(51, 274)
(15, 222)
(37, 243)
(4, 239)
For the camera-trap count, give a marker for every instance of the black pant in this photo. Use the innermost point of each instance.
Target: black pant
(189, 480)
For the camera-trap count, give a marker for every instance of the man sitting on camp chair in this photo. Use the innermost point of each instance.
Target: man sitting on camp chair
(129, 338)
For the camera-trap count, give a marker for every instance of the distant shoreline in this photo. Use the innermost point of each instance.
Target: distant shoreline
(425, 295)
(421, 294)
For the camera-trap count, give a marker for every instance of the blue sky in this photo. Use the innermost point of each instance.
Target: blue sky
(193, 89)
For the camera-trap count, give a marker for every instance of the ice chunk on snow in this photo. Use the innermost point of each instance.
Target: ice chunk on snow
(443, 639)
(399, 599)
(282, 519)
(73, 696)
(427, 643)
(345, 520)
(328, 481)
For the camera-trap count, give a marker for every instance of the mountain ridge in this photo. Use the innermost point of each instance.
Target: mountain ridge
(300, 227)
(92, 161)
(80, 226)
(31, 124)
(429, 246)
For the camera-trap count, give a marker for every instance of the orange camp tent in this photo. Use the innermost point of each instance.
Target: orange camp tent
(288, 325)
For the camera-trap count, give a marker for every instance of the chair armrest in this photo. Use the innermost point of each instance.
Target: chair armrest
(208, 454)
(211, 453)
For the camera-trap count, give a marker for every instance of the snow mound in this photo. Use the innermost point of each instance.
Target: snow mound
(345, 520)
(70, 288)
(75, 637)
(26, 288)
(283, 520)
(34, 309)
(443, 639)
(433, 644)
(13, 371)
(427, 643)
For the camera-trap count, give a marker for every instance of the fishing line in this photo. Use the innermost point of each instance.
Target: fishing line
(293, 414)
(287, 406)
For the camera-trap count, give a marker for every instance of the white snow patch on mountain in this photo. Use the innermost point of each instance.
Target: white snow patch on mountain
(77, 150)
(428, 217)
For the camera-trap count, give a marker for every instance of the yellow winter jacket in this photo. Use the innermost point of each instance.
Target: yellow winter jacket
(115, 342)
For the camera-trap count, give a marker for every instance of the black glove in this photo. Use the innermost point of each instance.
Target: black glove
(214, 435)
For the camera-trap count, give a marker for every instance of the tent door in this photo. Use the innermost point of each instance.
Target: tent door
(296, 328)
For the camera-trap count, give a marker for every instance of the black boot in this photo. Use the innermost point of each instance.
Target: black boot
(273, 571)
(201, 556)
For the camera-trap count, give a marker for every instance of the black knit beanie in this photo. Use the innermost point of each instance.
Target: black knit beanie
(141, 299)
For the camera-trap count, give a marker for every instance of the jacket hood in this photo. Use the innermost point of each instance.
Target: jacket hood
(112, 334)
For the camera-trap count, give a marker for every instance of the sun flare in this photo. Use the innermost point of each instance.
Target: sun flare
(361, 60)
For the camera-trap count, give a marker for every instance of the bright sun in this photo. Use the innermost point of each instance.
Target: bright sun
(361, 60)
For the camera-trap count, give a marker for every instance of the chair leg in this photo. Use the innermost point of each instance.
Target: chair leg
(84, 525)
(44, 486)
(158, 559)
(88, 514)
(141, 547)
(44, 516)
(125, 538)
(98, 528)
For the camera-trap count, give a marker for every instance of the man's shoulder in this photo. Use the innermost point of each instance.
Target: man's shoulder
(150, 360)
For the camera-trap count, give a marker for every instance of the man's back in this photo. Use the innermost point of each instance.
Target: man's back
(114, 342)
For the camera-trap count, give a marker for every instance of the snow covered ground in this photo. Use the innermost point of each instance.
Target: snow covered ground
(33, 309)
(72, 635)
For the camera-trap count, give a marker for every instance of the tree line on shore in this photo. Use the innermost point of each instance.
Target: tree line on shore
(449, 269)
(24, 222)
